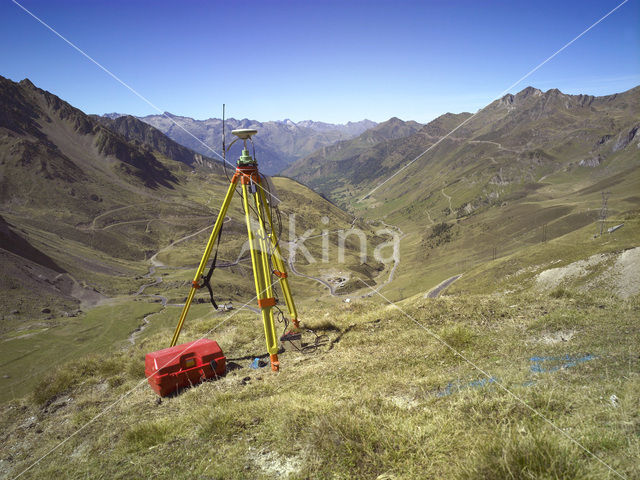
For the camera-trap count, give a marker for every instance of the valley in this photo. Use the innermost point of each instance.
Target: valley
(451, 200)
(507, 175)
(110, 247)
(471, 292)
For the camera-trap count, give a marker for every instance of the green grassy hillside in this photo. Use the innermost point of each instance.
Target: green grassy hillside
(527, 168)
(524, 367)
(91, 245)
(556, 378)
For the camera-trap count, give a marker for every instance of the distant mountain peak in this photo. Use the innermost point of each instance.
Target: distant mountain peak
(114, 115)
(27, 83)
(554, 92)
(528, 91)
(280, 141)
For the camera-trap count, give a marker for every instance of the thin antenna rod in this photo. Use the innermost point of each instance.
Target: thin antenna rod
(224, 150)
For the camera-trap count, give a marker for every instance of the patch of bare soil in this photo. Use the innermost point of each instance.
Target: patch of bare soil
(275, 465)
(557, 337)
(622, 278)
(624, 275)
(552, 277)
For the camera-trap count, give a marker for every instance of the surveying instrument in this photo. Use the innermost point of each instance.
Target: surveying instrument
(266, 257)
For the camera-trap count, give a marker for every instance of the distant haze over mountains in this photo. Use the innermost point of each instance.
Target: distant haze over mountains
(325, 159)
(278, 143)
(516, 140)
(85, 200)
(527, 169)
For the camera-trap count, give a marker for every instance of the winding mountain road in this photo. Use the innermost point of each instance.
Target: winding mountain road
(332, 288)
(292, 267)
(155, 264)
(433, 293)
(499, 145)
(396, 258)
(154, 259)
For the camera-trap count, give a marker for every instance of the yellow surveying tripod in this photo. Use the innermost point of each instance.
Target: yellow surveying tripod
(261, 243)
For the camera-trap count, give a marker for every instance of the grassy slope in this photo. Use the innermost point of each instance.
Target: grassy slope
(100, 207)
(561, 203)
(515, 230)
(511, 172)
(385, 397)
(35, 339)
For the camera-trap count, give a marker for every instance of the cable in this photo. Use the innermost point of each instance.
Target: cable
(267, 187)
(224, 150)
(319, 340)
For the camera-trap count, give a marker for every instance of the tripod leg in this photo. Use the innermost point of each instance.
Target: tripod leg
(205, 258)
(262, 278)
(279, 264)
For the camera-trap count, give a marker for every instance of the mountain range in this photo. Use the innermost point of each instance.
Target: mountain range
(84, 198)
(324, 163)
(528, 167)
(278, 143)
(516, 140)
(60, 169)
(103, 220)
(509, 158)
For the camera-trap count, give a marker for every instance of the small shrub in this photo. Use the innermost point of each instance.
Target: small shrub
(221, 423)
(73, 373)
(560, 292)
(135, 369)
(54, 385)
(352, 444)
(458, 336)
(147, 435)
(440, 234)
(115, 381)
(323, 325)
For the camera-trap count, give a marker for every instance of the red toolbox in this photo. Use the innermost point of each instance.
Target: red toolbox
(173, 368)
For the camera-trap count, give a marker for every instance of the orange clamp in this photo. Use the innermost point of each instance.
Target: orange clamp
(280, 274)
(266, 302)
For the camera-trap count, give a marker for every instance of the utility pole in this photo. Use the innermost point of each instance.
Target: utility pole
(603, 210)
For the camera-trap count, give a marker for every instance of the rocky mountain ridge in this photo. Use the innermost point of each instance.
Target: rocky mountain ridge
(278, 143)
(516, 139)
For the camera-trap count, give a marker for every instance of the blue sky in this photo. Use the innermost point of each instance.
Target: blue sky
(331, 61)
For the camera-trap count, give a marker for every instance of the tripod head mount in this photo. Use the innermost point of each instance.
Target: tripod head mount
(245, 134)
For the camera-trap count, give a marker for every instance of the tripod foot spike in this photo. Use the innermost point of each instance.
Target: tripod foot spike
(275, 364)
(296, 322)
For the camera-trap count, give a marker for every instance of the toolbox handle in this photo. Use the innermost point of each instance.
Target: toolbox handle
(197, 367)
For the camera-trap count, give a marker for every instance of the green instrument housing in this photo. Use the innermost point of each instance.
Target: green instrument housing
(245, 158)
